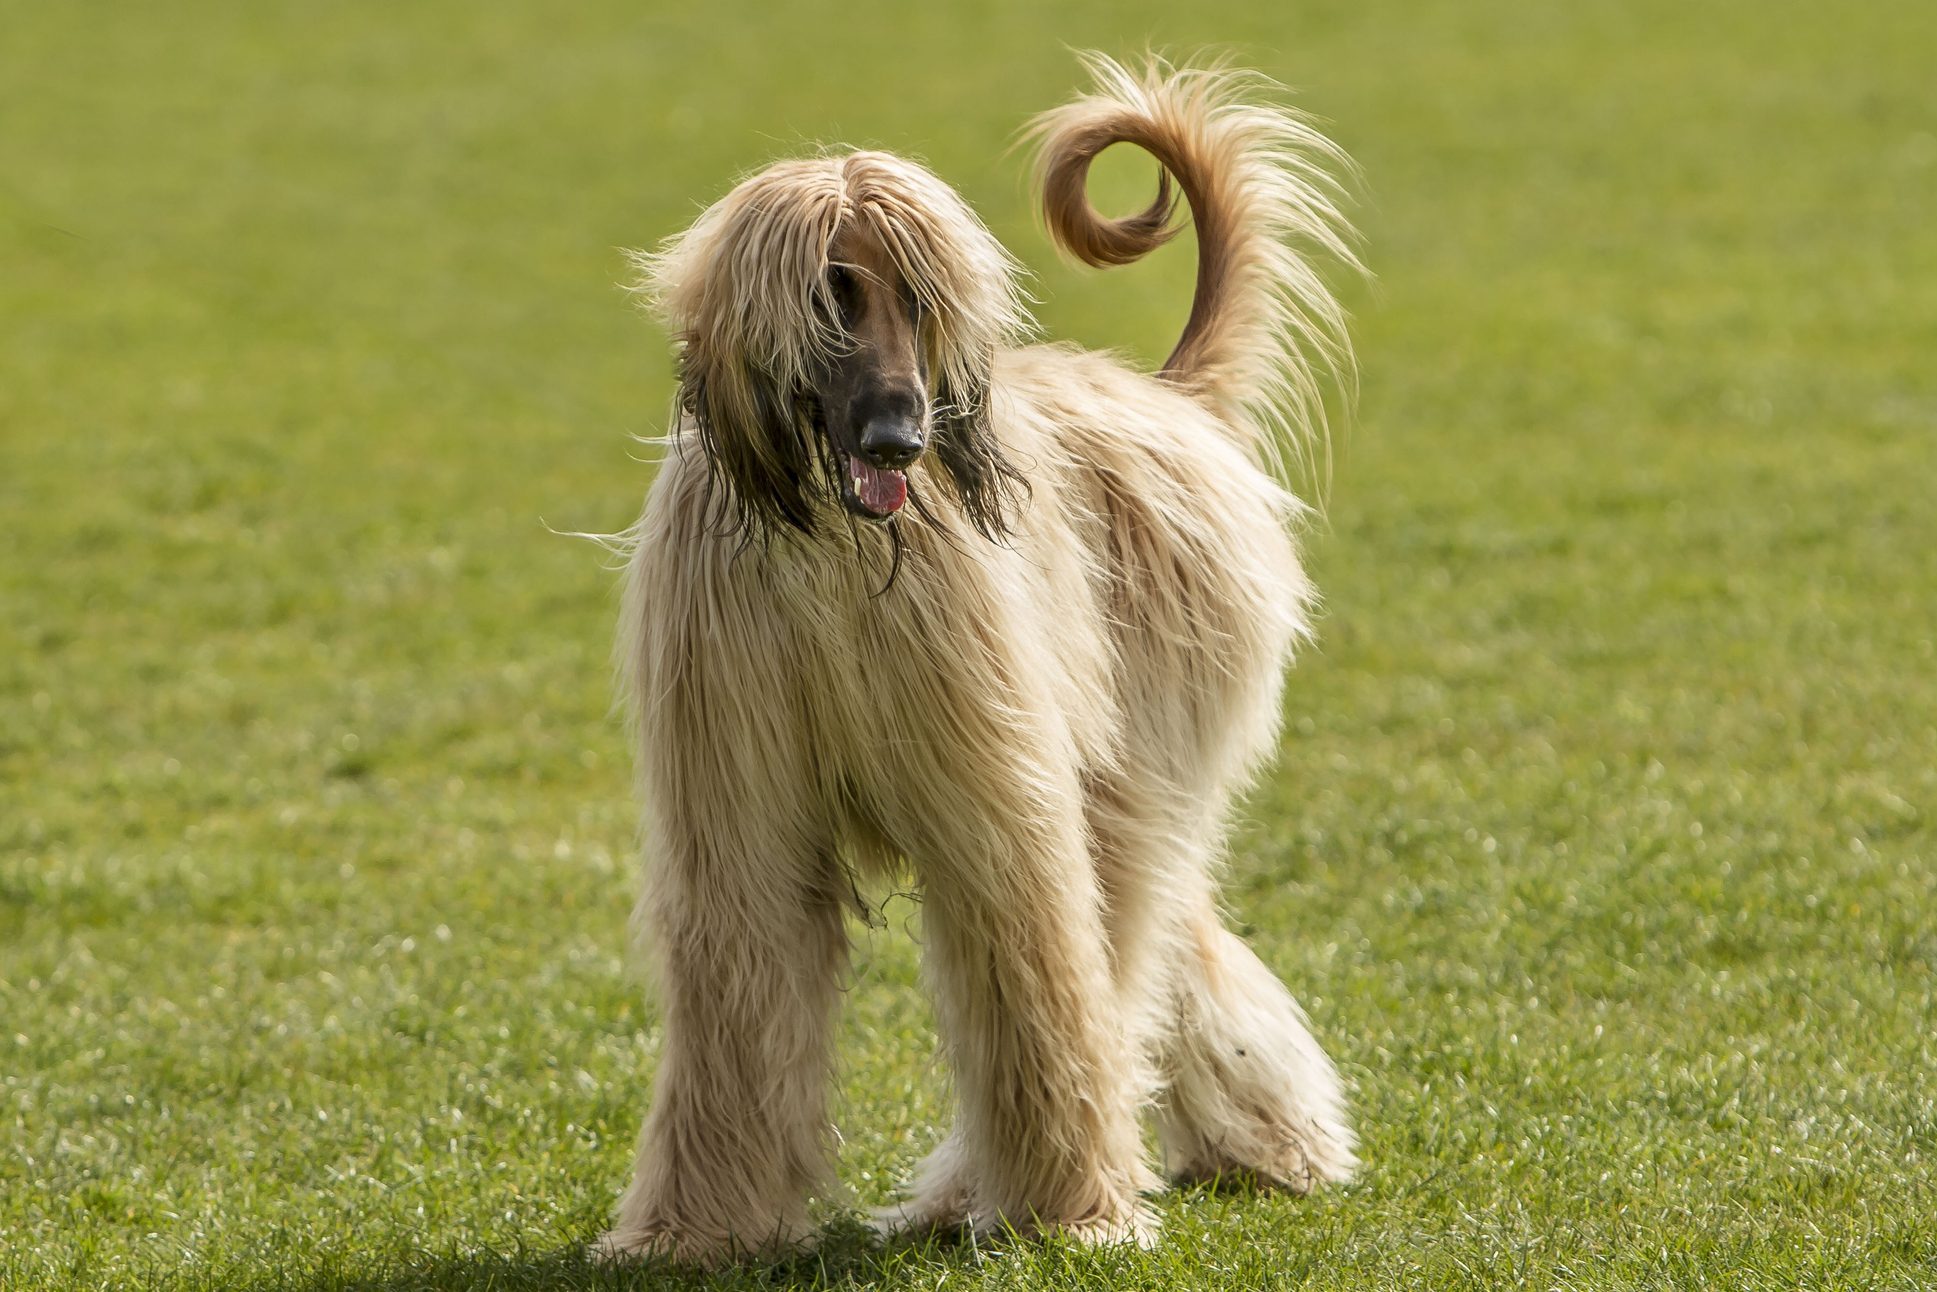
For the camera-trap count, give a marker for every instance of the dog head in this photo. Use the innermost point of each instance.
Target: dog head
(837, 319)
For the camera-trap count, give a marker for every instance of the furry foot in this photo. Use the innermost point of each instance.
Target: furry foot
(626, 1246)
(1295, 1166)
(652, 1242)
(908, 1219)
(942, 1196)
(1294, 1155)
(621, 1247)
(1139, 1227)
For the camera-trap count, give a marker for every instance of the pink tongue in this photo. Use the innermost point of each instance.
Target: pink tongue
(881, 492)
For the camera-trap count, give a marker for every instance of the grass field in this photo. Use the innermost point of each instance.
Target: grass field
(1603, 848)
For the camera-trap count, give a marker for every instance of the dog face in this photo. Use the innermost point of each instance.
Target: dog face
(837, 322)
(871, 396)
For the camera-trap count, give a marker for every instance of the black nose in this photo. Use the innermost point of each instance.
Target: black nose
(891, 442)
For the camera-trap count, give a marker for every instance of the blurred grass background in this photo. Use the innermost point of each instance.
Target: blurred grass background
(1601, 849)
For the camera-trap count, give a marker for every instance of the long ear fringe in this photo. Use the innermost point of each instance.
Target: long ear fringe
(759, 441)
(987, 485)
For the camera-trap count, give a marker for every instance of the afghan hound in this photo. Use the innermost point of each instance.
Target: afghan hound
(909, 592)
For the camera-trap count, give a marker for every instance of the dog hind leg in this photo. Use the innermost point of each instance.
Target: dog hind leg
(1241, 1083)
(1247, 1087)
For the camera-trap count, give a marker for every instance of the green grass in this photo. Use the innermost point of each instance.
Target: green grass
(1603, 847)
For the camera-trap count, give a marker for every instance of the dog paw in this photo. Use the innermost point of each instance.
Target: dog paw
(1137, 1227)
(665, 1243)
(941, 1198)
(623, 1247)
(1292, 1164)
(940, 1203)
(627, 1246)
(915, 1218)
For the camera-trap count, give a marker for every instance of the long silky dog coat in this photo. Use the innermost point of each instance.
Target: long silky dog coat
(906, 592)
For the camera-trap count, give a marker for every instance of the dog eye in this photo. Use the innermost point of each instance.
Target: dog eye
(844, 289)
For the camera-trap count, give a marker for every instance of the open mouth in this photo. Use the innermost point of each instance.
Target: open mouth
(872, 492)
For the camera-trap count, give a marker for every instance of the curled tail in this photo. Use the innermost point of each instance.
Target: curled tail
(1264, 330)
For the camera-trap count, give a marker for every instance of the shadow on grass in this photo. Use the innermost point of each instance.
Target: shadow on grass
(849, 1256)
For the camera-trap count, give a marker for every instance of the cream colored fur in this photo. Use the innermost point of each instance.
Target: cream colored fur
(1047, 727)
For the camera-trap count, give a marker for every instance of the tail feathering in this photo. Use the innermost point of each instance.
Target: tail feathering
(1265, 334)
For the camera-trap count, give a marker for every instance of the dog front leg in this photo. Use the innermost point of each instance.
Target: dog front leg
(749, 947)
(1047, 1135)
